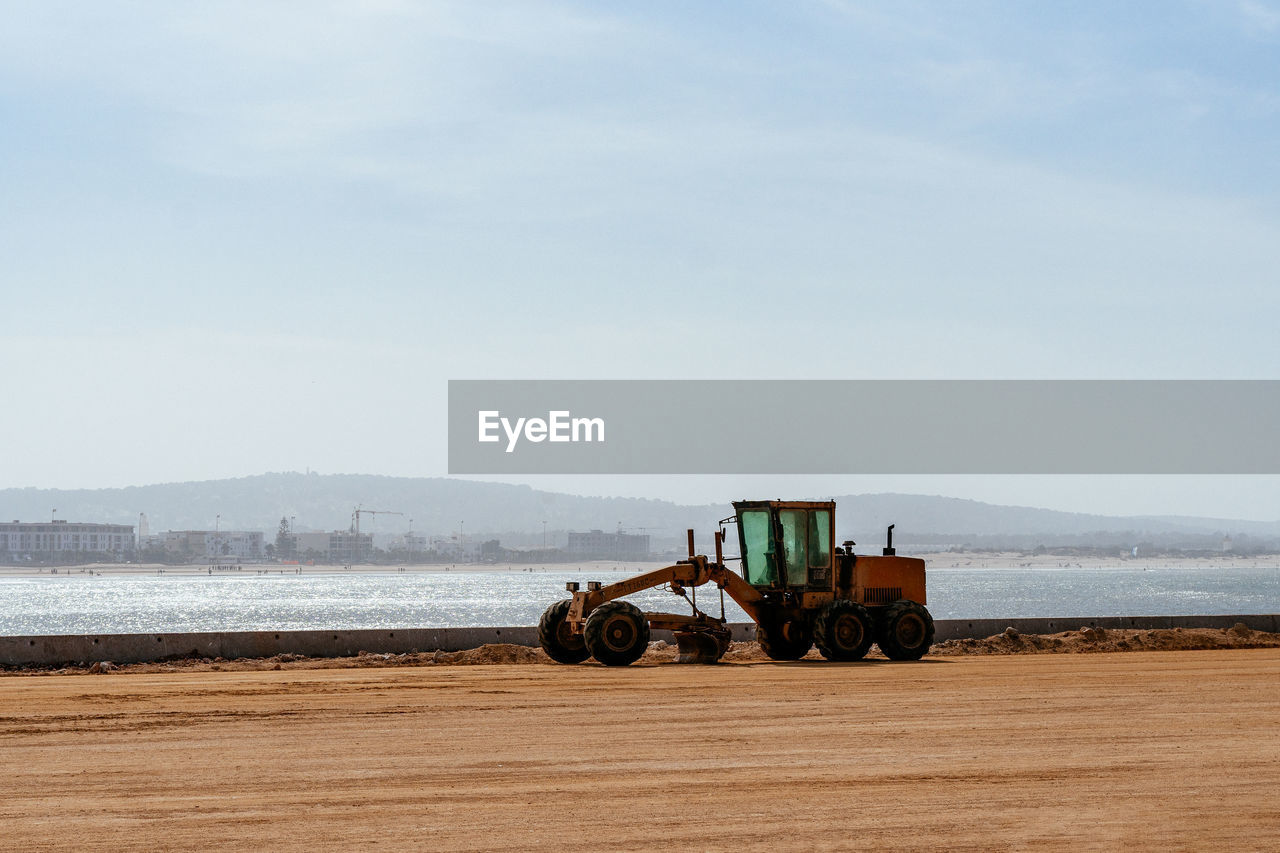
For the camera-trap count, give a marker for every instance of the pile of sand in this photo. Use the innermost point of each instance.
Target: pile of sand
(1091, 640)
(491, 653)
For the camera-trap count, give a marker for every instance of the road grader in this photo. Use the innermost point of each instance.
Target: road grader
(796, 584)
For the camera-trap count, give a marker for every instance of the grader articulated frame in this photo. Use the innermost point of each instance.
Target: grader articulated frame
(795, 585)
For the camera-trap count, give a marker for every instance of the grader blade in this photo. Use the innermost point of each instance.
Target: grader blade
(700, 646)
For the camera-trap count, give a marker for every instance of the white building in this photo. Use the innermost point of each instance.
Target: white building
(63, 539)
(347, 546)
(453, 548)
(598, 545)
(410, 542)
(337, 546)
(245, 545)
(310, 545)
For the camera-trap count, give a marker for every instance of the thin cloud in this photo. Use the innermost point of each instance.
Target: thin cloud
(1259, 17)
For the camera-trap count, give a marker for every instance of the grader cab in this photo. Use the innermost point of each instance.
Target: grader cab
(795, 584)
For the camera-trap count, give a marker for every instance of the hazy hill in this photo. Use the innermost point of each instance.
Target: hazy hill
(516, 513)
(325, 502)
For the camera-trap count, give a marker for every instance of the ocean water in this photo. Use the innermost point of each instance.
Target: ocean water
(82, 604)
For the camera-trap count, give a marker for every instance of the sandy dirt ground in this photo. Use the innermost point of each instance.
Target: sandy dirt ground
(1148, 750)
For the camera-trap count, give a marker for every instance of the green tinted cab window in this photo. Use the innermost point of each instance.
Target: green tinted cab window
(795, 545)
(759, 556)
(820, 539)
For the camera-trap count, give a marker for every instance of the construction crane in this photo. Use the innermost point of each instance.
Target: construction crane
(359, 511)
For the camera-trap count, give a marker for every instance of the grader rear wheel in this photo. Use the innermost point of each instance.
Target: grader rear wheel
(560, 644)
(843, 630)
(906, 631)
(616, 633)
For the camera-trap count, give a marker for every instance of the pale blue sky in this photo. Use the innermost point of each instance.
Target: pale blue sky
(241, 237)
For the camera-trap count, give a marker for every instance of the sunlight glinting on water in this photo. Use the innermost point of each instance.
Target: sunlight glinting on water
(81, 604)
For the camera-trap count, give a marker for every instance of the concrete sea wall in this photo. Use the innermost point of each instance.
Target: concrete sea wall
(135, 648)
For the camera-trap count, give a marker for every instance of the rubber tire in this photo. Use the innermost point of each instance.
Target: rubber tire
(774, 644)
(832, 630)
(559, 645)
(616, 633)
(906, 631)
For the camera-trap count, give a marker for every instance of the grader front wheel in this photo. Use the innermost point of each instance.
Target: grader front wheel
(560, 644)
(616, 633)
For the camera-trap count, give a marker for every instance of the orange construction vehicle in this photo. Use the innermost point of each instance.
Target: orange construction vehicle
(796, 584)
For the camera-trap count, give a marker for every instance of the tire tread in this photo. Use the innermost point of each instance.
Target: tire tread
(885, 636)
(549, 635)
(593, 634)
(824, 630)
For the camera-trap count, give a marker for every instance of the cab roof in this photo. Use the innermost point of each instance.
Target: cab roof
(738, 506)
